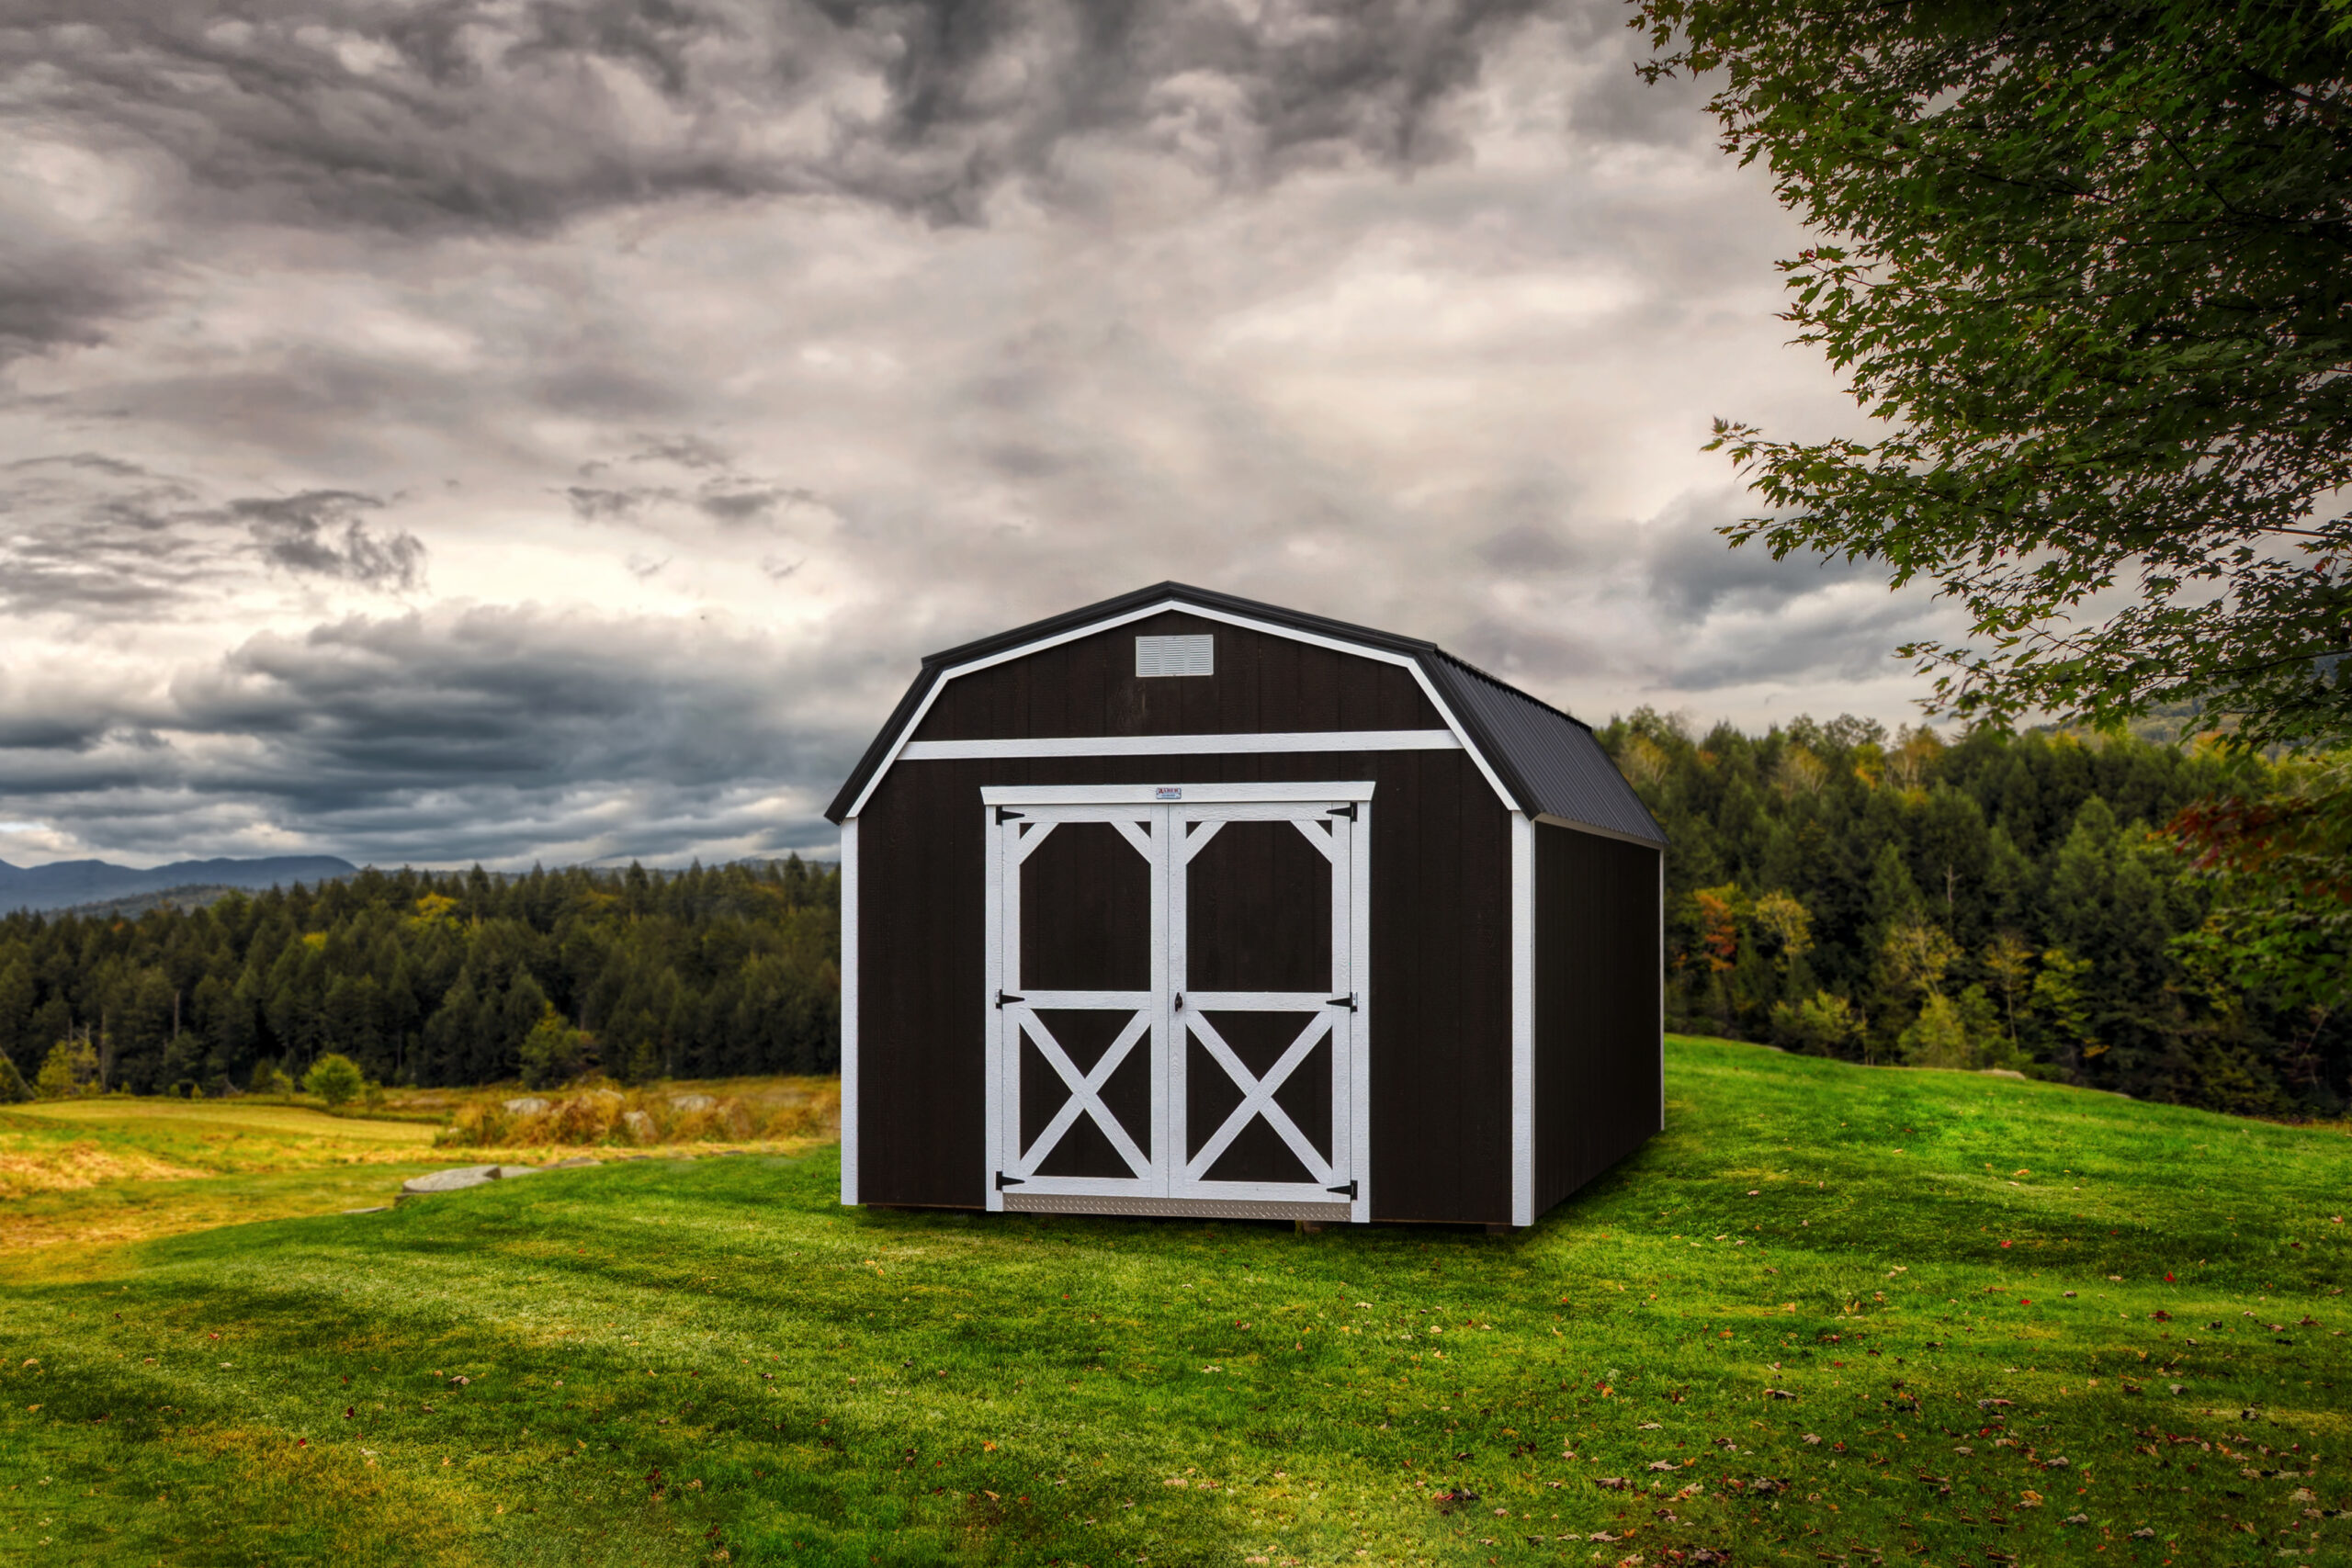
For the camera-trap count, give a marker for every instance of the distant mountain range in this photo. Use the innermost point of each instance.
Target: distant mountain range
(68, 883)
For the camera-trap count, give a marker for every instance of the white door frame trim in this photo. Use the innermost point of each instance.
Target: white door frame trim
(1352, 871)
(914, 722)
(1149, 794)
(1184, 745)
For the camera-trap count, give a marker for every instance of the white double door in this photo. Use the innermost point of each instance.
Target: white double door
(1174, 1004)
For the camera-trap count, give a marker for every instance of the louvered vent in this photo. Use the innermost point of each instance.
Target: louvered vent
(1194, 655)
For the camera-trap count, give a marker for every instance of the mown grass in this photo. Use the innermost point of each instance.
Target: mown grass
(675, 1362)
(78, 1176)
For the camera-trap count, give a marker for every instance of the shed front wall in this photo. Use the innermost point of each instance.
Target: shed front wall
(1598, 976)
(1439, 995)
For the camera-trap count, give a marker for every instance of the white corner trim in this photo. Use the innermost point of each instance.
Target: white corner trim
(1149, 794)
(1523, 1018)
(849, 1011)
(1110, 623)
(1360, 978)
(1184, 745)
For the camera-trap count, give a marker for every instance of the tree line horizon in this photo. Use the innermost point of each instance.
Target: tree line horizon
(2042, 902)
(2021, 902)
(441, 978)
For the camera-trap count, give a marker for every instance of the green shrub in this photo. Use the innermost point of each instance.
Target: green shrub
(13, 1089)
(1826, 1025)
(71, 1069)
(334, 1078)
(1937, 1037)
(553, 1051)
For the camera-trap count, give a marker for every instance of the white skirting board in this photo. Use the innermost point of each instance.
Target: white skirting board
(1174, 1208)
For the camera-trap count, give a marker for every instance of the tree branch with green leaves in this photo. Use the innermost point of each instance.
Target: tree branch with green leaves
(2090, 266)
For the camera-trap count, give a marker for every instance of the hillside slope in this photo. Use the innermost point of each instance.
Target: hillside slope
(1831, 1313)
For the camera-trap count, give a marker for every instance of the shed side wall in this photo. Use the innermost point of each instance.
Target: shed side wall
(1438, 993)
(1597, 1067)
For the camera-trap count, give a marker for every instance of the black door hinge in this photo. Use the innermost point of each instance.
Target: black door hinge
(1349, 1189)
(1005, 814)
(1001, 998)
(1348, 811)
(1348, 1001)
(1003, 1181)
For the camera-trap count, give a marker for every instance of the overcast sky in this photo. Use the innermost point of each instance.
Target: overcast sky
(513, 429)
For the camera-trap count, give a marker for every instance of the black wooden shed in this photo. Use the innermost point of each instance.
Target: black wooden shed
(1183, 904)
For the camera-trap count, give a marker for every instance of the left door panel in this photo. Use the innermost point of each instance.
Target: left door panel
(1078, 954)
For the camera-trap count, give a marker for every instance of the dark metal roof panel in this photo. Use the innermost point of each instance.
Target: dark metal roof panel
(1550, 760)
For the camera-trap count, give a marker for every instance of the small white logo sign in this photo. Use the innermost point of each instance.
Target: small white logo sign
(1168, 792)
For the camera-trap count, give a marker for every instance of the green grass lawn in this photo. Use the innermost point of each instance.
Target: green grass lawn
(1990, 1308)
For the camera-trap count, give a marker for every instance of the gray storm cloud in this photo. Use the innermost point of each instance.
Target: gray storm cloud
(478, 430)
(463, 114)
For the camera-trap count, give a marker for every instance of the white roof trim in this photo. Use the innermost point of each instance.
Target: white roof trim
(899, 742)
(1192, 745)
(1187, 794)
(1597, 831)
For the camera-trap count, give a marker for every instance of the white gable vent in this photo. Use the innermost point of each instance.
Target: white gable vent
(1194, 655)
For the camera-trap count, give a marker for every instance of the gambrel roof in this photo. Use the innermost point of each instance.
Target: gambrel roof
(1543, 761)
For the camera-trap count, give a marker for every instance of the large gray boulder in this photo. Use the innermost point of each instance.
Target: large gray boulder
(526, 1105)
(454, 1181)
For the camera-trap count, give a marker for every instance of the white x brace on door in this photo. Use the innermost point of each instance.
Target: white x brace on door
(1175, 996)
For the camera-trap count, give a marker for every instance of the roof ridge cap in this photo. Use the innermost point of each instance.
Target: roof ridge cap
(1179, 594)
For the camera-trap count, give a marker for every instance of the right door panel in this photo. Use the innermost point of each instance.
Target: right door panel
(1264, 1001)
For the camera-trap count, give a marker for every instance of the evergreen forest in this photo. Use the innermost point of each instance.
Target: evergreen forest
(440, 978)
(2023, 903)
(2029, 904)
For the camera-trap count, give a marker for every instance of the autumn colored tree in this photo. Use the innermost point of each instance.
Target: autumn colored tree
(2015, 847)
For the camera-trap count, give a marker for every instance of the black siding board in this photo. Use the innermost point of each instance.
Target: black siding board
(921, 906)
(1596, 978)
(1485, 1026)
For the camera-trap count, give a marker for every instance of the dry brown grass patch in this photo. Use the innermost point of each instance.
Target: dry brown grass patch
(746, 1112)
(80, 1164)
